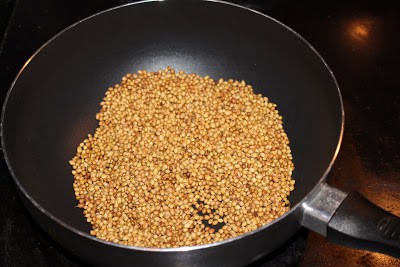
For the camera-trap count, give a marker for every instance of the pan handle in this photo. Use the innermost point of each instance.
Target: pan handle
(352, 220)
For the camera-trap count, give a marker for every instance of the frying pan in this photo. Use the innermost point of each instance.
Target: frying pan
(51, 107)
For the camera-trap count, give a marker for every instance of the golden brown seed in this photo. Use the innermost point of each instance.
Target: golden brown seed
(174, 151)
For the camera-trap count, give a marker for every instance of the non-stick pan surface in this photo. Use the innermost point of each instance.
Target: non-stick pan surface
(51, 108)
(53, 104)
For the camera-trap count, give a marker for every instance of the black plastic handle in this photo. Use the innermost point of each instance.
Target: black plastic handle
(358, 223)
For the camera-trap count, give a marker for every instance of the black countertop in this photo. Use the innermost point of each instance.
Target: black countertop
(360, 41)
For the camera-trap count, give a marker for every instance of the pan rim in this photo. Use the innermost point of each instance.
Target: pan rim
(185, 248)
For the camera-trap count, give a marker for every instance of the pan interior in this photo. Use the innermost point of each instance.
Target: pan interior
(52, 106)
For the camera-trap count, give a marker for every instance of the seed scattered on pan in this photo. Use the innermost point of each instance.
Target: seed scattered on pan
(182, 160)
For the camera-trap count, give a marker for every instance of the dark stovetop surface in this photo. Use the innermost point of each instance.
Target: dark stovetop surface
(360, 40)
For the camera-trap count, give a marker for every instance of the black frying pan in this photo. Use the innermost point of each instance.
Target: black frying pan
(52, 103)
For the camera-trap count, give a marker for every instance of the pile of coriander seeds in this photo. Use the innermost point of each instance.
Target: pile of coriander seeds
(182, 160)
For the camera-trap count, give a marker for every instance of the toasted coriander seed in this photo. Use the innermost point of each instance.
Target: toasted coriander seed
(177, 156)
